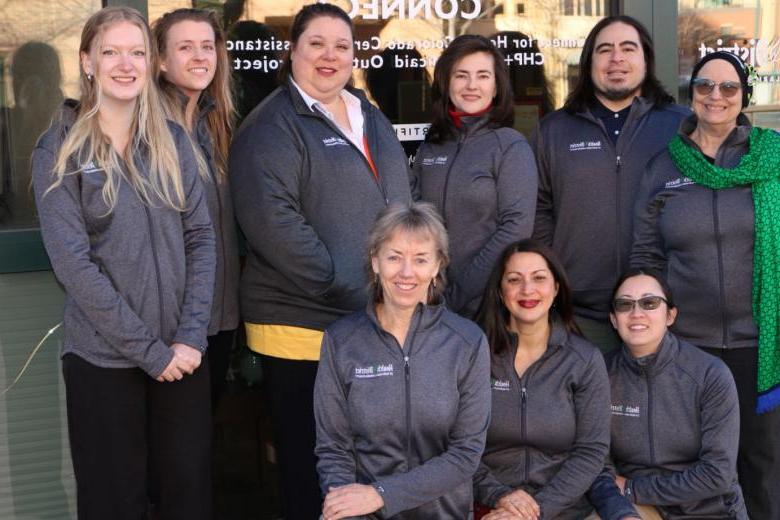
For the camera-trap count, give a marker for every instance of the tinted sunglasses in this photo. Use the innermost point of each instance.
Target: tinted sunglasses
(704, 87)
(646, 303)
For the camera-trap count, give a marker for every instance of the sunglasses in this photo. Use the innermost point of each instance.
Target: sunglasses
(646, 303)
(704, 87)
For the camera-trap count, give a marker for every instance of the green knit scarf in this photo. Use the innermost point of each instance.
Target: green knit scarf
(760, 169)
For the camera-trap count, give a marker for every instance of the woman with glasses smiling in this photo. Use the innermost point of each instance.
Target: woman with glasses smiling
(708, 217)
(675, 417)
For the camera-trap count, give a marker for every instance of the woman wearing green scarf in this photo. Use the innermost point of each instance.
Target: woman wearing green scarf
(708, 215)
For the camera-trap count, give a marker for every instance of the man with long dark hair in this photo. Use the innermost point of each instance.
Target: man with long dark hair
(591, 155)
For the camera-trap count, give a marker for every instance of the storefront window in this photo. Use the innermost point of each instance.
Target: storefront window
(748, 28)
(39, 55)
(399, 41)
(39, 42)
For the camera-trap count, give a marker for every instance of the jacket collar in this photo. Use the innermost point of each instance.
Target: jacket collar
(206, 103)
(300, 106)
(738, 136)
(67, 114)
(424, 317)
(559, 337)
(639, 107)
(474, 125)
(667, 352)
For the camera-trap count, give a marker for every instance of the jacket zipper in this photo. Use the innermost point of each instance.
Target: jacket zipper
(719, 246)
(407, 382)
(224, 257)
(447, 177)
(218, 233)
(523, 406)
(156, 266)
(408, 393)
(523, 433)
(618, 165)
(649, 382)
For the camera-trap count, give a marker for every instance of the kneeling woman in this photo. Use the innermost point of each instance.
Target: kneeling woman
(402, 391)
(675, 416)
(549, 428)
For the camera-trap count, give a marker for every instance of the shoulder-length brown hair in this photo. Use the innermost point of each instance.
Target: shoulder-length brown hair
(220, 121)
(493, 316)
(502, 113)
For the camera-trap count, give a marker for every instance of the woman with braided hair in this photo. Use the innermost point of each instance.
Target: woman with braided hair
(708, 215)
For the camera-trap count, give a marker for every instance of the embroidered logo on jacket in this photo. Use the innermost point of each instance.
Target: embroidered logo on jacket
(90, 167)
(625, 410)
(430, 161)
(679, 182)
(584, 145)
(374, 371)
(334, 141)
(499, 385)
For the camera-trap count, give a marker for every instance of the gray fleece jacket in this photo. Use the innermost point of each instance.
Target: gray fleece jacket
(702, 239)
(137, 279)
(306, 198)
(587, 189)
(410, 421)
(484, 184)
(675, 433)
(549, 429)
(224, 311)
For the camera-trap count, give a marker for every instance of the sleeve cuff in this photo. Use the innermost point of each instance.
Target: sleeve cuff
(628, 491)
(158, 365)
(382, 512)
(198, 342)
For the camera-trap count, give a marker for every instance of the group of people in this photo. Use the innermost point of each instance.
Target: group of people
(431, 338)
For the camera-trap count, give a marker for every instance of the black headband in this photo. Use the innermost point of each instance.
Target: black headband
(739, 66)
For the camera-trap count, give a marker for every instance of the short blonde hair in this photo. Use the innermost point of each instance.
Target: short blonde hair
(416, 217)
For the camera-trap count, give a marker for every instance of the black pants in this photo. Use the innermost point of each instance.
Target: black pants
(132, 437)
(289, 389)
(220, 346)
(758, 463)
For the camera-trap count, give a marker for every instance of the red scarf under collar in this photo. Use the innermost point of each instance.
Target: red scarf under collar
(456, 116)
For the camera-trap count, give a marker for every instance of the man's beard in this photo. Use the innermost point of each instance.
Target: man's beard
(621, 94)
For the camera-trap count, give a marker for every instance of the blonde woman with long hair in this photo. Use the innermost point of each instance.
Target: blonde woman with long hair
(126, 226)
(193, 73)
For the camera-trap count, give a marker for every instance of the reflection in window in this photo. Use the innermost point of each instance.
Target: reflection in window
(747, 28)
(583, 7)
(39, 52)
(36, 80)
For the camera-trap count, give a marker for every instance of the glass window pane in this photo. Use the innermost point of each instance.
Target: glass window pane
(747, 28)
(39, 53)
(399, 41)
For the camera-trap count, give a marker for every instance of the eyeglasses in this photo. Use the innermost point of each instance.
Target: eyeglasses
(704, 87)
(646, 303)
